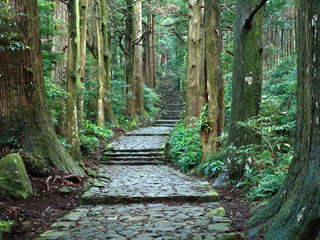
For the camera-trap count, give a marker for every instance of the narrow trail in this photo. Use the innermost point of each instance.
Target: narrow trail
(136, 196)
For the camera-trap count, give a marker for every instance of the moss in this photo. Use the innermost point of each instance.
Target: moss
(36, 166)
(5, 226)
(14, 180)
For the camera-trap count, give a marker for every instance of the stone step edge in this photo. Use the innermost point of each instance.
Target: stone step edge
(212, 196)
(132, 163)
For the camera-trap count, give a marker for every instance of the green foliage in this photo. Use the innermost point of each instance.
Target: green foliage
(151, 101)
(91, 135)
(5, 227)
(186, 147)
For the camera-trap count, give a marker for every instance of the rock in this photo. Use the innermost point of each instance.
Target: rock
(238, 214)
(219, 227)
(14, 180)
(253, 232)
(35, 166)
(218, 212)
(227, 236)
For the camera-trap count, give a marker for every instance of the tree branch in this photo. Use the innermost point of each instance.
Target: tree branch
(248, 21)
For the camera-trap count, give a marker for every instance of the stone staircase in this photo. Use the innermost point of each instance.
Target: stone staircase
(146, 146)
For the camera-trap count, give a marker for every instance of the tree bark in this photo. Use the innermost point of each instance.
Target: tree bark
(153, 53)
(294, 211)
(193, 64)
(24, 113)
(246, 81)
(59, 69)
(107, 60)
(83, 57)
(73, 79)
(130, 63)
(212, 89)
(138, 75)
(101, 77)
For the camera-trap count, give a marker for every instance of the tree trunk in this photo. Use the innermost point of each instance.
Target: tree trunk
(73, 79)
(138, 75)
(59, 69)
(148, 52)
(294, 212)
(153, 53)
(83, 57)
(24, 113)
(129, 71)
(193, 63)
(246, 81)
(213, 90)
(107, 59)
(101, 77)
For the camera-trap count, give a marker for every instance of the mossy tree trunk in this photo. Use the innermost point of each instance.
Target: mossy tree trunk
(138, 73)
(101, 76)
(24, 113)
(246, 79)
(83, 58)
(293, 213)
(212, 86)
(129, 61)
(107, 60)
(193, 63)
(73, 79)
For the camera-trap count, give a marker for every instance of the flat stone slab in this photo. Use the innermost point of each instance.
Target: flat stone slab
(138, 221)
(133, 184)
(139, 143)
(150, 131)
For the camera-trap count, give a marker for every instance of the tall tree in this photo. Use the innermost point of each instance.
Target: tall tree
(24, 113)
(153, 52)
(73, 78)
(83, 57)
(129, 59)
(211, 84)
(101, 76)
(138, 74)
(193, 63)
(246, 79)
(59, 68)
(293, 213)
(107, 59)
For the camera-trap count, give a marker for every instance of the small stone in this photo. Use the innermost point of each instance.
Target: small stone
(219, 227)
(238, 214)
(218, 212)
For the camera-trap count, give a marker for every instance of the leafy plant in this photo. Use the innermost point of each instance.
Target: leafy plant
(186, 147)
(91, 136)
(5, 227)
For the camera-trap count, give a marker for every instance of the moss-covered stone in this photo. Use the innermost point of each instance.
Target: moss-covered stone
(14, 180)
(217, 212)
(35, 166)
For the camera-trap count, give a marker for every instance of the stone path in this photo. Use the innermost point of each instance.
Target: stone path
(135, 196)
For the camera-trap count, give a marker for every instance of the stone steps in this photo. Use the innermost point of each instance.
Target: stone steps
(123, 154)
(133, 162)
(129, 158)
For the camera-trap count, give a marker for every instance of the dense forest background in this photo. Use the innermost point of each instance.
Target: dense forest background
(234, 62)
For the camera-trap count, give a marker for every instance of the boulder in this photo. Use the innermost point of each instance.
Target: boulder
(218, 212)
(14, 180)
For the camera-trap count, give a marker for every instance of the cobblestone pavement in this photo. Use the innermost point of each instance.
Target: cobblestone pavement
(118, 184)
(134, 197)
(141, 221)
